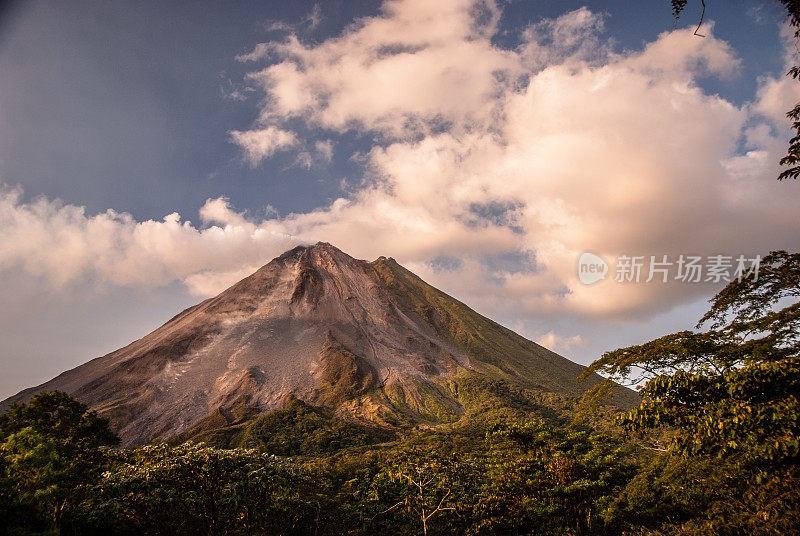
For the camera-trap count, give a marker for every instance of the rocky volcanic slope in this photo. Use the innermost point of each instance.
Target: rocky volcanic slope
(371, 341)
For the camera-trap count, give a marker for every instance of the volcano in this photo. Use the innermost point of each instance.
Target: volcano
(370, 341)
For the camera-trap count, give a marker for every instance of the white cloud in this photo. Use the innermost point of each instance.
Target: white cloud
(558, 343)
(321, 155)
(325, 150)
(400, 73)
(481, 153)
(680, 55)
(314, 17)
(210, 283)
(263, 143)
(61, 245)
(574, 36)
(776, 96)
(308, 23)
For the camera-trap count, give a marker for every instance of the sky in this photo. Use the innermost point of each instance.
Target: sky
(153, 153)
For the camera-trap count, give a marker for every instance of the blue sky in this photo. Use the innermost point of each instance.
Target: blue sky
(522, 134)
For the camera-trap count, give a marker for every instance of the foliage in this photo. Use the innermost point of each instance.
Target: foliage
(422, 489)
(297, 429)
(193, 489)
(51, 450)
(792, 158)
(732, 389)
(546, 480)
(705, 496)
(223, 428)
(529, 477)
(300, 429)
(725, 401)
(677, 7)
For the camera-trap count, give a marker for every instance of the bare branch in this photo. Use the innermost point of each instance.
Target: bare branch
(702, 14)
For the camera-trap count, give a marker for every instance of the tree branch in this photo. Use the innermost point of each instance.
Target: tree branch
(702, 14)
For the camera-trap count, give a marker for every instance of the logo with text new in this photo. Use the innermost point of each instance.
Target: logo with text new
(591, 268)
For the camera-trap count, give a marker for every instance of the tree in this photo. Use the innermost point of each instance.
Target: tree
(548, 480)
(729, 393)
(51, 452)
(160, 489)
(733, 388)
(422, 486)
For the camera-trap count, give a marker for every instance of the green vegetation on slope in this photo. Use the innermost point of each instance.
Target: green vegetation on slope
(300, 429)
(223, 428)
(494, 350)
(296, 429)
(430, 401)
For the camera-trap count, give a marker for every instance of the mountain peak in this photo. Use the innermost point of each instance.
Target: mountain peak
(370, 341)
(319, 246)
